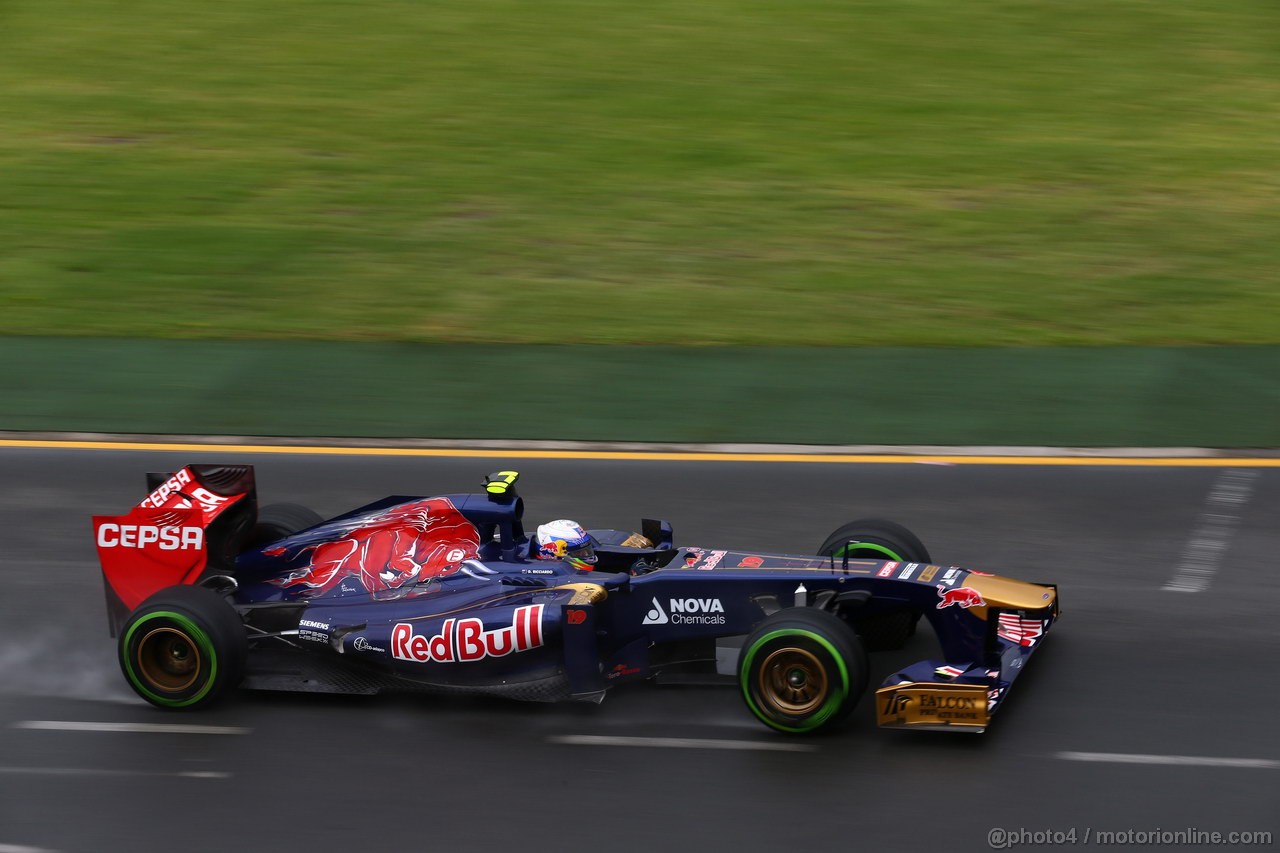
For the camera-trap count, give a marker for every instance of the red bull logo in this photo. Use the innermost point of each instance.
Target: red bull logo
(553, 550)
(410, 543)
(467, 640)
(964, 596)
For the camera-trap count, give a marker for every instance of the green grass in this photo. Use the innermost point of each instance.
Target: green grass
(844, 172)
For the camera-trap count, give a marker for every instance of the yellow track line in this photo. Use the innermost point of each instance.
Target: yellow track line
(657, 456)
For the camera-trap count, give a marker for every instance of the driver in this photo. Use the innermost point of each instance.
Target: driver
(566, 540)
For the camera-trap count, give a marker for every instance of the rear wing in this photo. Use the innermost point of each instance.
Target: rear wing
(189, 526)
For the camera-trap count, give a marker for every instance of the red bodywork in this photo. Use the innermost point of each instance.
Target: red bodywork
(164, 541)
(412, 542)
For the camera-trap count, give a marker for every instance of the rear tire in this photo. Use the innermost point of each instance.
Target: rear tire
(276, 521)
(184, 647)
(802, 671)
(880, 539)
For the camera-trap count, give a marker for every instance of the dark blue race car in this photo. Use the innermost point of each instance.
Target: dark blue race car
(206, 591)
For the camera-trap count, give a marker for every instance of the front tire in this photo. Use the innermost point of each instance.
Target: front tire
(879, 539)
(802, 671)
(184, 647)
(875, 539)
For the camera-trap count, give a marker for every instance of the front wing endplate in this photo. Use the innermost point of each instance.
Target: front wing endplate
(925, 705)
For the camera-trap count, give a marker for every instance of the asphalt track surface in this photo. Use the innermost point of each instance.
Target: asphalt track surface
(1132, 668)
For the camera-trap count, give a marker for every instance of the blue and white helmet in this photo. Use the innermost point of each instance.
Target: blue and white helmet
(566, 540)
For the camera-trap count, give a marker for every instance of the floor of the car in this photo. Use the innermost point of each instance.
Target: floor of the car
(305, 672)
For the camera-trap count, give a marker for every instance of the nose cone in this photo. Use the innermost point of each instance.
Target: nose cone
(1011, 594)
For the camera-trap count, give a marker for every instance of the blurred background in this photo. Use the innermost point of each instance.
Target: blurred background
(818, 222)
(1045, 220)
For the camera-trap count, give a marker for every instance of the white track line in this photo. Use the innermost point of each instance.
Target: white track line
(97, 771)
(19, 848)
(1179, 760)
(146, 728)
(679, 743)
(1215, 527)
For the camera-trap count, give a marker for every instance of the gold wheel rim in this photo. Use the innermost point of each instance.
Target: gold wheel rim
(792, 682)
(169, 660)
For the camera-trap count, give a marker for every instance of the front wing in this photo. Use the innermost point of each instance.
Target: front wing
(939, 695)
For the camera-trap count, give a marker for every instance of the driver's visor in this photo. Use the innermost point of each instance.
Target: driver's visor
(586, 553)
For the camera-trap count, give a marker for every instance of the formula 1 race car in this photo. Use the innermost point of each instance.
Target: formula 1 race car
(447, 593)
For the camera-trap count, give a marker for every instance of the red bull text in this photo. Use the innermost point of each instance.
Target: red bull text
(467, 640)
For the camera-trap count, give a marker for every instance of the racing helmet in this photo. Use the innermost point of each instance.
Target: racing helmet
(566, 540)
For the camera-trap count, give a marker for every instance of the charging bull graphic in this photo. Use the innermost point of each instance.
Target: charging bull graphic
(410, 543)
(965, 596)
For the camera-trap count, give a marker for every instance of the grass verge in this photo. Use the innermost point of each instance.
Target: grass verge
(854, 173)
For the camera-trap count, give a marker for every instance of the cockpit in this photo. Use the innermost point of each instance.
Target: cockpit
(498, 516)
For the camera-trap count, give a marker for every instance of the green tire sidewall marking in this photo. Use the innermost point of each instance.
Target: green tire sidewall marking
(828, 708)
(196, 633)
(866, 546)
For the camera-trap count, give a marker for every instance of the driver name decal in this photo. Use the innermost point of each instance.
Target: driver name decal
(467, 640)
